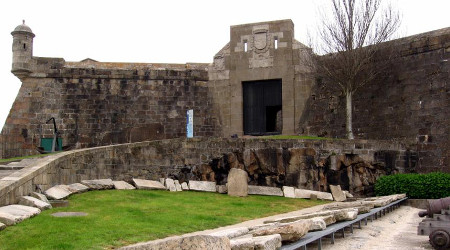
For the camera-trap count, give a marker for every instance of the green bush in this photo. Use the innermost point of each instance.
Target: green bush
(416, 186)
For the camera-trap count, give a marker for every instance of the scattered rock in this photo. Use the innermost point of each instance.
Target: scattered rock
(77, 188)
(237, 182)
(33, 202)
(99, 184)
(69, 214)
(123, 185)
(289, 192)
(221, 189)
(289, 232)
(231, 233)
(206, 186)
(163, 181)
(2, 226)
(338, 194)
(40, 196)
(58, 192)
(178, 187)
(184, 186)
(261, 190)
(13, 214)
(196, 242)
(269, 242)
(170, 185)
(306, 194)
(148, 184)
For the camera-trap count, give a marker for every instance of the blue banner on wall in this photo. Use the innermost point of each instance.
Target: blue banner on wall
(190, 123)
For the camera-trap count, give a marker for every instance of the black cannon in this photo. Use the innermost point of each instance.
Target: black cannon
(437, 223)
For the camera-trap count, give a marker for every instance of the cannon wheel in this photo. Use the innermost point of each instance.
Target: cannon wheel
(440, 239)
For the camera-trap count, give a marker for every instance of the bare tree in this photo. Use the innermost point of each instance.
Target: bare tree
(349, 40)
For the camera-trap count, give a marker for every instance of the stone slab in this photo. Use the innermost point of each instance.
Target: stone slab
(348, 194)
(289, 232)
(178, 187)
(338, 194)
(184, 186)
(306, 194)
(289, 192)
(34, 202)
(99, 184)
(123, 185)
(318, 224)
(57, 192)
(221, 189)
(246, 243)
(2, 226)
(196, 242)
(261, 190)
(78, 188)
(231, 233)
(148, 184)
(204, 186)
(268, 242)
(237, 182)
(170, 185)
(13, 214)
(40, 196)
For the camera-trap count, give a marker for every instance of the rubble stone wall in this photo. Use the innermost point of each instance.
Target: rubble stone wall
(309, 164)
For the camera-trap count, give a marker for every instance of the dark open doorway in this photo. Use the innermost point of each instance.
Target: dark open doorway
(262, 107)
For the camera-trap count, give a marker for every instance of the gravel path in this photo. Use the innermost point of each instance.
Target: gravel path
(395, 230)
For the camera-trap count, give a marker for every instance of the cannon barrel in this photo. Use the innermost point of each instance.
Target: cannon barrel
(435, 206)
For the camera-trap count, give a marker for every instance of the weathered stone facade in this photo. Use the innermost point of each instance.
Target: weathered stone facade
(410, 102)
(97, 103)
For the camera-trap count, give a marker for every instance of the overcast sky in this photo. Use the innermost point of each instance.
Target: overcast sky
(164, 31)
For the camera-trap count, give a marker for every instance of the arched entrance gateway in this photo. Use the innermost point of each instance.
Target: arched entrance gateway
(259, 82)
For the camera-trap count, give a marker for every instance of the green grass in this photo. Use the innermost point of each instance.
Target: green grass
(122, 217)
(295, 137)
(26, 157)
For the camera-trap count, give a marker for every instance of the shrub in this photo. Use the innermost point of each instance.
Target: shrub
(416, 186)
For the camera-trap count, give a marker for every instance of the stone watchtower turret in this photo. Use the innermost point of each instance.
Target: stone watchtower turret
(22, 51)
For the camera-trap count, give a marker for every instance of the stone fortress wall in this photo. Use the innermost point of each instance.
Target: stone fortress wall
(308, 164)
(98, 103)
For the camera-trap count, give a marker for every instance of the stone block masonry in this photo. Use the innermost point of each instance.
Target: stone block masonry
(208, 159)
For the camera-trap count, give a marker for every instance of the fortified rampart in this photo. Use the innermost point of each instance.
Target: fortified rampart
(257, 84)
(311, 164)
(410, 101)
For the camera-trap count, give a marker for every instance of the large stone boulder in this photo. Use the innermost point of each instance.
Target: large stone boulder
(289, 232)
(99, 184)
(170, 185)
(2, 226)
(268, 242)
(261, 190)
(337, 193)
(289, 192)
(237, 182)
(196, 242)
(13, 214)
(40, 196)
(58, 192)
(33, 202)
(204, 186)
(148, 184)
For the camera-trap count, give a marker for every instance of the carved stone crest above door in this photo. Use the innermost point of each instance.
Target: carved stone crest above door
(261, 40)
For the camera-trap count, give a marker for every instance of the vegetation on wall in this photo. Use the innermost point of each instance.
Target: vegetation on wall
(418, 186)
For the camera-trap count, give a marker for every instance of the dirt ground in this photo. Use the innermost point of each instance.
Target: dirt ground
(395, 230)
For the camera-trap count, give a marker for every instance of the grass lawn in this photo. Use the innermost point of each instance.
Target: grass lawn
(122, 217)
